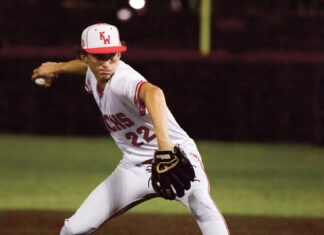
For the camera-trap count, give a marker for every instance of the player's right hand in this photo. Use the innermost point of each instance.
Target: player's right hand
(48, 70)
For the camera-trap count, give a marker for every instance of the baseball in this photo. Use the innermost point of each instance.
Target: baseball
(40, 81)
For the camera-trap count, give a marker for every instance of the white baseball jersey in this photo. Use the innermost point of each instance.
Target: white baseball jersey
(131, 127)
(126, 117)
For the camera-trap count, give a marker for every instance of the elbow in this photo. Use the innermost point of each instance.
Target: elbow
(154, 96)
(157, 94)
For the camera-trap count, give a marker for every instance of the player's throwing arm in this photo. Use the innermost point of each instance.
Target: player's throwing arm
(45, 74)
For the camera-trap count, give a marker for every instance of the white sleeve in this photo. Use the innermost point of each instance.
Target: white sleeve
(139, 104)
(129, 87)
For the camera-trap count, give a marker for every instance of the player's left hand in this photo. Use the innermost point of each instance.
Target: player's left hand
(172, 173)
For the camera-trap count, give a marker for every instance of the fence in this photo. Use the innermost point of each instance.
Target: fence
(267, 97)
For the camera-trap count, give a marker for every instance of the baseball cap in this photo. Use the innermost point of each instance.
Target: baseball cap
(101, 38)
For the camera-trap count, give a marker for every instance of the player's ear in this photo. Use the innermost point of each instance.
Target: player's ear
(84, 58)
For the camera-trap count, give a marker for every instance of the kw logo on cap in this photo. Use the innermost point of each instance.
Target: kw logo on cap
(106, 39)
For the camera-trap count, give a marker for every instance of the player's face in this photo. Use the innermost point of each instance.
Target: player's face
(103, 66)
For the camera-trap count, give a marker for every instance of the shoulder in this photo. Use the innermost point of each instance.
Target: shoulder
(126, 81)
(126, 76)
(126, 71)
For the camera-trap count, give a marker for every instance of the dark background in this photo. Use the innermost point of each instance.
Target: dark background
(263, 80)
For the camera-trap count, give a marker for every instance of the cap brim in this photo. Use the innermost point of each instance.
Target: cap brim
(105, 50)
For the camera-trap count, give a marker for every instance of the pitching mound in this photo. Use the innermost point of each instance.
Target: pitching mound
(49, 223)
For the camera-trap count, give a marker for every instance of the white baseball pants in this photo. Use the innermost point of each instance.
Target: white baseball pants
(129, 185)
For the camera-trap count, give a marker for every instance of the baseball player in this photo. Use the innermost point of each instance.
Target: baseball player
(137, 117)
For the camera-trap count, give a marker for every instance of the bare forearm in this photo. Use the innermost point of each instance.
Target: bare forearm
(72, 67)
(50, 69)
(155, 103)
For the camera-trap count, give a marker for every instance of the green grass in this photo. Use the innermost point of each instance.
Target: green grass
(42, 172)
(269, 179)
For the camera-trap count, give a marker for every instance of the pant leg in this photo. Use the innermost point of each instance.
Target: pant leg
(123, 189)
(198, 199)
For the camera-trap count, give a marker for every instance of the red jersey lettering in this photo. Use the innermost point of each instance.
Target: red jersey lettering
(117, 122)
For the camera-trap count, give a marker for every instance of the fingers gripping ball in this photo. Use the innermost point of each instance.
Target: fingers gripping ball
(43, 82)
(40, 81)
(172, 173)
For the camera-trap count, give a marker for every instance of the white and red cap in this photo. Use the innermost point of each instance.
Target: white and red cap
(101, 38)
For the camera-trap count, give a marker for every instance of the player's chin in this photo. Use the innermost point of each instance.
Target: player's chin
(104, 76)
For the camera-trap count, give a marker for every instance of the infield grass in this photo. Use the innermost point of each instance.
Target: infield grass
(57, 173)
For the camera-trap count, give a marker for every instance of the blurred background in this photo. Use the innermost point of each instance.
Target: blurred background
(261, 78)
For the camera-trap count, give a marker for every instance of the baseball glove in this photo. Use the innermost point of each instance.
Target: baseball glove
(172, 173)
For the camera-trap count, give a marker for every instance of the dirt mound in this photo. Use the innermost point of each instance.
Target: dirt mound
(50, 222)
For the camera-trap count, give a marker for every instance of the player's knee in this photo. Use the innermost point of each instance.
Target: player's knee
(208, 217)
(202, 206)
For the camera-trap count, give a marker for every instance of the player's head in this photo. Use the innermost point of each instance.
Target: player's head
(101, 50)
(101, 38)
